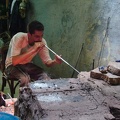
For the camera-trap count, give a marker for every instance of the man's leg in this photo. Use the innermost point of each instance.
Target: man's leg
(35, 72)
(24, 73)
(19, 73)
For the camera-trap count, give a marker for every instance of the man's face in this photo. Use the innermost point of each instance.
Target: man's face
(35, 37)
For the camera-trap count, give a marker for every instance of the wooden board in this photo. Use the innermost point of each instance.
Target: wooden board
(114, 68)
(108, 77)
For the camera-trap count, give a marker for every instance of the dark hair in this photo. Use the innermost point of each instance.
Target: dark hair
(35, 25)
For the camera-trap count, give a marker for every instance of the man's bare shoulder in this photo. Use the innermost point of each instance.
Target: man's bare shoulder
(19, 38)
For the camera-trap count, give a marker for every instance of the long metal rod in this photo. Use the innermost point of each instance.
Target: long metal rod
(62, 59)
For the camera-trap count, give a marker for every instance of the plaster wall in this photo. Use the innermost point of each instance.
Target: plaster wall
(84, 32)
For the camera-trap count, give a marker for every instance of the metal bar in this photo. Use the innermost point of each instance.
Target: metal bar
(103, 44)
(62, 59)
(10, 97)
(78, 59)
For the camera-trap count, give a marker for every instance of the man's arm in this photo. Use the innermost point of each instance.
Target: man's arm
(32, 51)
(51, 63)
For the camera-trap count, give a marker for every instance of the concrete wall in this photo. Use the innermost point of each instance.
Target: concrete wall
(85, 32)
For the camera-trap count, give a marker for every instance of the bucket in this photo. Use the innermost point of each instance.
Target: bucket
(6, 116)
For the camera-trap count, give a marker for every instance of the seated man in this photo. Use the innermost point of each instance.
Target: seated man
(22, 48)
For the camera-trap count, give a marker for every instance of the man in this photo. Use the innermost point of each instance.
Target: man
(22, 49)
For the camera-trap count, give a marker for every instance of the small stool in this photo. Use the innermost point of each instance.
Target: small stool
(10, 81)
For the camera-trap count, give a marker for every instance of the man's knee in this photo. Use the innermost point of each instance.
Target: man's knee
(24, 80)
(44, 76)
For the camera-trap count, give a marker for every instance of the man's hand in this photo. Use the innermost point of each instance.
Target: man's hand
(58, 59)
(39, 45)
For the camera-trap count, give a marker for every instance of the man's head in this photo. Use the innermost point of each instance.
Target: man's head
(35, 26)
(35, 32)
